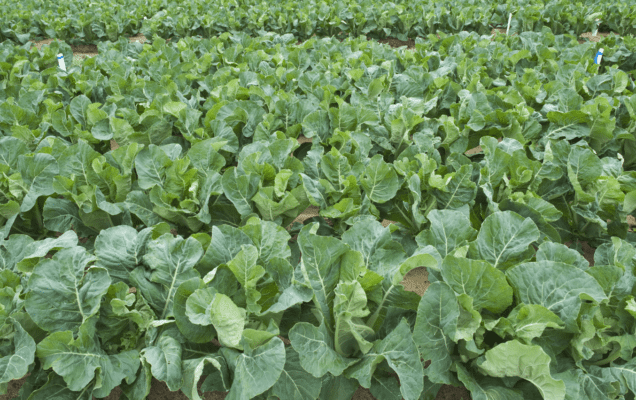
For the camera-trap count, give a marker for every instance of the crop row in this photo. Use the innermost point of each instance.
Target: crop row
(147, 197)
(91, 22)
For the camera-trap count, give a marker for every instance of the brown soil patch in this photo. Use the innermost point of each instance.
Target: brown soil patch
(592, 38)
(473, 151)
(631, 221)
(393, 42)
(448, 392)
(302, 139)
(86, 50)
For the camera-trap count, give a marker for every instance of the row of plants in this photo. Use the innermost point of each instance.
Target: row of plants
(174, 255)
(239, 97)
(92, 22)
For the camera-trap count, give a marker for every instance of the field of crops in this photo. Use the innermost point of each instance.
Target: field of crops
(238, 207)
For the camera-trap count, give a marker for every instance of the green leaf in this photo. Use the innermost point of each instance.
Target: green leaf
(172, 262)
(193, 332)
(480, 390)
(240, 189)
(349, 307)
(120, 250)
(151, 165)
(255, 371)
(315, 349)
(435, 325)
(558, 287)
(504, 239)
(320, 267)
(37, 172)
(380, 182)
(165, 361)
(529, 321)
(584, 167)
(81, 360)
(459, 190)
(337, 387)
(193, 370)
(294, 382)
(228, 320)
(16, 365)
(248, 273)
(400, 351)
(486, 285)
(449, 230)
(514, 359)
(65, 282)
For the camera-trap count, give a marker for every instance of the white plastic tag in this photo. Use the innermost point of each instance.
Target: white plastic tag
(598, 22)
(509, 20)
(60, 61)
(598, 57)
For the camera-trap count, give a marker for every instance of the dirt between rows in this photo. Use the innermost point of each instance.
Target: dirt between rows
(415, 281)
(90, 50)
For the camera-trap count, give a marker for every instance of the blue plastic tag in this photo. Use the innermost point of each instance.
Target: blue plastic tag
(598, 57)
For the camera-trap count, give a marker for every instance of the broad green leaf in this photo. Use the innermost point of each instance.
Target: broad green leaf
(380, 182)
(270, 239)
(504, 239)
(193, 332)
(561, 253)
(16, 365)
(228, 320)
(449, 230)
(584, 167)
(37, 172)
(385, 387)
(480, 390)
(81, 360)
(294, 382)
(400, 352)
(514, 359)
(486, 285)
(587, 386)
(13, 249)
(41, 248)
(557, 286)
(56, 388)
(193, 370)
(527, 322)
(255, 371)
(197, 306)
(119, 310)
(120, 250)
(367, 236)
(349, 307)
(225, 244)
(151, 165)
(172, 262)
(459, 189)
(436, 323)
(240, 189)
(165, 361)
(320, 264)
(248, 273)
(315, 349)
(65, 282)
(337, 387)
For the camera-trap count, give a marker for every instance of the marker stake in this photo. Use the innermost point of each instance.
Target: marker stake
(598, 23)
(60, 61)
(598, 57)
(509, 20)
